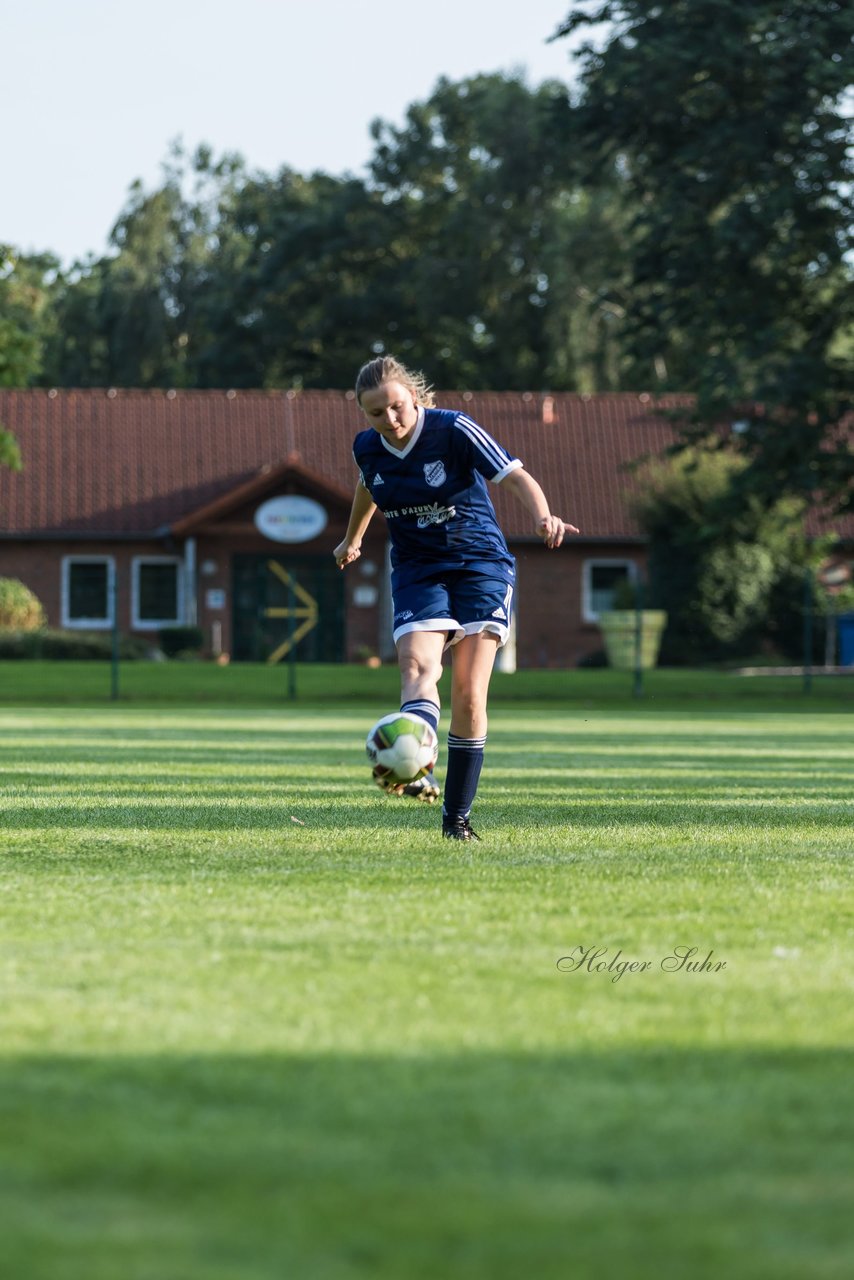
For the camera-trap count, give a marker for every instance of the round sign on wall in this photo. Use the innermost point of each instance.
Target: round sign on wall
(290, 519)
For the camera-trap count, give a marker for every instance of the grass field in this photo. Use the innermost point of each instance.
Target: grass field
(257, 684)
(259, 1021)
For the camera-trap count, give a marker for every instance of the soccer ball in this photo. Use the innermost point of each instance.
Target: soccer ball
(402, 747)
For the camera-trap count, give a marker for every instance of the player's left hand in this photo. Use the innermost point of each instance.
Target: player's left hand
(552, 529)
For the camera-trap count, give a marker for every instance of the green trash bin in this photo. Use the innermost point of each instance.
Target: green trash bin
(619, 631)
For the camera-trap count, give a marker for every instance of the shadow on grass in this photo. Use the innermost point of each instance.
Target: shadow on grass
(659, 1164)
(538, 812)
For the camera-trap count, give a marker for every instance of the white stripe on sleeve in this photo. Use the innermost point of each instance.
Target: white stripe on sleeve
(495, 455)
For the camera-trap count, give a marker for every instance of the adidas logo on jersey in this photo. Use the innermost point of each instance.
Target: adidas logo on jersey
(378, 479)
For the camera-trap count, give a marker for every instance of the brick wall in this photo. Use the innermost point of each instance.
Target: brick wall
(39, 566)
(550, 627)
(551, 631)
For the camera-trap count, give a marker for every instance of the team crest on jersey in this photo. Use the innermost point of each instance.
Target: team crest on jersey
(434, 473)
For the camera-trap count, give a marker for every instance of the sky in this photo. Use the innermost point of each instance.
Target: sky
(93, 92)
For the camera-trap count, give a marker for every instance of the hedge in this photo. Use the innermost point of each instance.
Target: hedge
(73, 646)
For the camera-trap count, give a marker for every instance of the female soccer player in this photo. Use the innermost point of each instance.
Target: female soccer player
(452, 573)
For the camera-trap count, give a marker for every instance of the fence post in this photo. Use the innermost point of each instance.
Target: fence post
(808, 622)
(637, 689)
(292, 622)
(114, 648)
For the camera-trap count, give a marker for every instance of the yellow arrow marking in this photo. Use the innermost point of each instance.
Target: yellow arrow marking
(309, 612)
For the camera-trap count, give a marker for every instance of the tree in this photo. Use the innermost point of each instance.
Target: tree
(27, 282)
(467, 248)
(313, 287)
(589, 298)
(132, 317)
(464, 250)
(477, 170)
(10, 454)
(718, 576)
(727, 120)
(224, 278)
(26, 285)
(443, 254)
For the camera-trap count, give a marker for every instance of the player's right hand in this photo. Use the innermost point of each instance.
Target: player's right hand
(346, 552)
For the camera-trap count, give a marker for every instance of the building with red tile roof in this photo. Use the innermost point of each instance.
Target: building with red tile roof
(144, 505)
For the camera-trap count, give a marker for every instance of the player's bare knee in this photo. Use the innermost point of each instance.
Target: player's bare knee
(468, 708)
(419, 670)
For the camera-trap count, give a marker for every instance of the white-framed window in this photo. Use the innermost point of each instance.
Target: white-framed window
(599, 582)
(88, 584)
(157, 592)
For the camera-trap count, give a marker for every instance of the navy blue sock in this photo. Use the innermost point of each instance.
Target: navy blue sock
(426, 709)
(462, 774)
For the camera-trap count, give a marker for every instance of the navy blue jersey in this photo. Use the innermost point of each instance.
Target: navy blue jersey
(433, 492)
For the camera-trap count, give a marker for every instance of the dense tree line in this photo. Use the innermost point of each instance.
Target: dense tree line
(680, 220)
(730, 124)
(469, 244)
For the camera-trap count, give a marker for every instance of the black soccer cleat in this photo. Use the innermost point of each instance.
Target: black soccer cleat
(458, 829)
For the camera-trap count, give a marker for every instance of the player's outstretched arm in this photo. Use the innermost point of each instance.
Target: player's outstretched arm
(524, 487)
(360, 517)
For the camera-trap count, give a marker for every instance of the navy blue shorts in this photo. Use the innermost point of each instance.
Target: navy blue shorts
(460, 602)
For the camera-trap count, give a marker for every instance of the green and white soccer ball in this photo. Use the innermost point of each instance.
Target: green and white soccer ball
(402, 747)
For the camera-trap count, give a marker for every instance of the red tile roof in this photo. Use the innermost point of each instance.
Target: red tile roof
(131, 462)
(122, 463)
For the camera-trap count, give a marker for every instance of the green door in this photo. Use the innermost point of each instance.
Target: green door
(285, 604)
